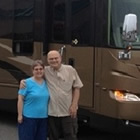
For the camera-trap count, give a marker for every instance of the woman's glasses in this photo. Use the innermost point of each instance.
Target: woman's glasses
(36, 69)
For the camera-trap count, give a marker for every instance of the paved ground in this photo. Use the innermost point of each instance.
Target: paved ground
(8, 131)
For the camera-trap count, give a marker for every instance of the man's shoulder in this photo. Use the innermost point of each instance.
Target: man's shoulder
(67, 66)
(48, 70)
(47, 67)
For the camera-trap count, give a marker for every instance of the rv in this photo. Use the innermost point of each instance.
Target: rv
(92, 36)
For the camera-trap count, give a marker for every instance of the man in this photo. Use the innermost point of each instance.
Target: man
(64, 85)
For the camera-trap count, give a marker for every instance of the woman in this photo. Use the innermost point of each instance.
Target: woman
(33, 106)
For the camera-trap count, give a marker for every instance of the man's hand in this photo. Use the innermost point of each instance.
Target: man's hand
(73, 110)
(74, 105)
(22, 84)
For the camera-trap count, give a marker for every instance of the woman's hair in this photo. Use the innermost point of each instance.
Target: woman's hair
(36, 63)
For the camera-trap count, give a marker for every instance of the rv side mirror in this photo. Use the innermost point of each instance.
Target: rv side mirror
(130, 28)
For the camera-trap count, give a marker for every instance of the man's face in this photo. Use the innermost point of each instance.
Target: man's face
(54, 59)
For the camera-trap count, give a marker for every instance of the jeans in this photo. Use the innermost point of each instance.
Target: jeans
(33, 129)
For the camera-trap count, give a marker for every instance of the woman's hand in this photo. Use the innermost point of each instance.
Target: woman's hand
(20, 119)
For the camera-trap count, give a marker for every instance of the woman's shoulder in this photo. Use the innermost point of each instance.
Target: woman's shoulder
(28, 80)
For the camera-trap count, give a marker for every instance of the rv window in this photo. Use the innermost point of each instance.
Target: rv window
(22, 48)
(23, 27)
(119, 8)
(81, 22)
(58, 21)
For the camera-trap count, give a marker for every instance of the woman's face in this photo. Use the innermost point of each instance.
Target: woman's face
(38, 71)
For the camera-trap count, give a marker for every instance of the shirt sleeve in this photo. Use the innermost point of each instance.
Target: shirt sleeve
(77, 81)
(23, 91)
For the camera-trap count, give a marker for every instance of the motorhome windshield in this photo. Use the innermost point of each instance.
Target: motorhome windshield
(119, 8)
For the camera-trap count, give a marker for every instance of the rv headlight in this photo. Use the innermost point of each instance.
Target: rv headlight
(125, 96)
